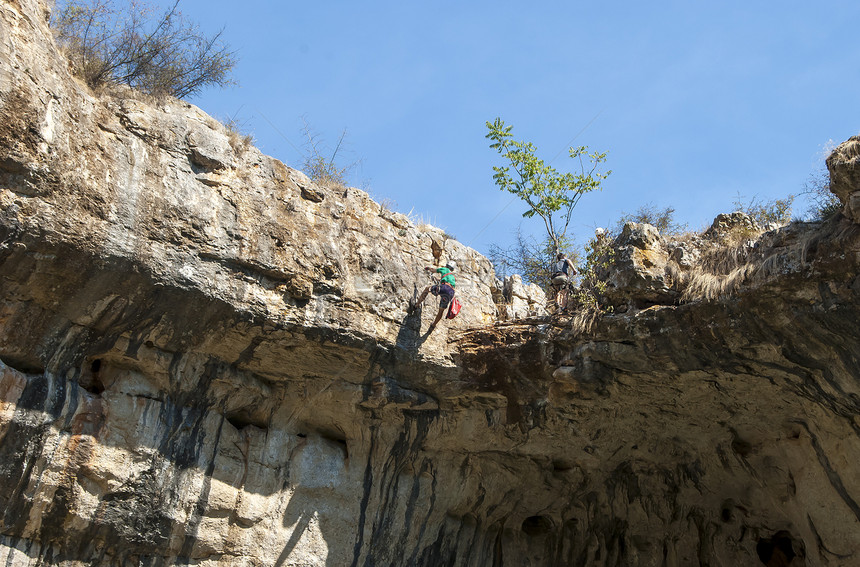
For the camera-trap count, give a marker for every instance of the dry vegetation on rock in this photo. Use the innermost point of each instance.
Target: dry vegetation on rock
(133, 43)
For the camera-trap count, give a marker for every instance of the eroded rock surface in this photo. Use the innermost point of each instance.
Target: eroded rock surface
(205, 359)
(844, 166)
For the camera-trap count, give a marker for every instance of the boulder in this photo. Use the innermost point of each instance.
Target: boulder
(844, 166)
(636, 268)
(523, 300)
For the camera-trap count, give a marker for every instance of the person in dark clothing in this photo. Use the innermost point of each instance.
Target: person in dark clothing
(562, 270)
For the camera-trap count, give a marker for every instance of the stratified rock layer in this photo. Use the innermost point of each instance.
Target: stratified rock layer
(207, 360)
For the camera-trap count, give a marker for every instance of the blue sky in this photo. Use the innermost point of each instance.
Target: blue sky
(695, 102)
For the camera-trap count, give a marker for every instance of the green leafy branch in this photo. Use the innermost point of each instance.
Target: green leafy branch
(549, 194)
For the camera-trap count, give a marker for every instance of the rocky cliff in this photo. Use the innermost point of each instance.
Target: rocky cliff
(205, 359)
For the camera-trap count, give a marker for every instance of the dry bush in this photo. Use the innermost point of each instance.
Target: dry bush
(823, 203)
(131, 43)
(661, 219)
(766, 213)
(534, 260)
(238, 139)
(321, 163)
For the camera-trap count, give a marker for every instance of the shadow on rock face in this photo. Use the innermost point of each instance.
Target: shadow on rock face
(409, 337)
(318, 468)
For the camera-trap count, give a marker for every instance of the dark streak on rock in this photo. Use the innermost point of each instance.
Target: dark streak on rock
(832, 475)
(202, 498)
(365, 499)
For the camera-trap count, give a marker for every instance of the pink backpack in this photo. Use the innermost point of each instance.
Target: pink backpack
(454, 308)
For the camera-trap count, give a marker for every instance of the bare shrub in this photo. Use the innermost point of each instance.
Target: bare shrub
(131, 43)
(823, 203)
(238, 139)
(773, 212)
(321, 163)
(532, 259)
(661, 219)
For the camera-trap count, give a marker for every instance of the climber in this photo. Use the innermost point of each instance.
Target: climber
(562, 270)
(444, 289)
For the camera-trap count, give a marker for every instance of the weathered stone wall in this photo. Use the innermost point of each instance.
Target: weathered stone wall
(205, 359)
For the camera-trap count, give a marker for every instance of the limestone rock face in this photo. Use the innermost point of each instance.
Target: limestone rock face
(844, 166)
(727, 223)
(637, 273)
(522, 301)
(206, 359)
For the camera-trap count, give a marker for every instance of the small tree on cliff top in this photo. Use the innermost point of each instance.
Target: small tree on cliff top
(130, 42)
(549, 194)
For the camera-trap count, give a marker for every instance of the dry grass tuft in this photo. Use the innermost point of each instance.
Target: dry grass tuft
(701, 284)
(724, 268)
(236, 136)
(583, 319)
